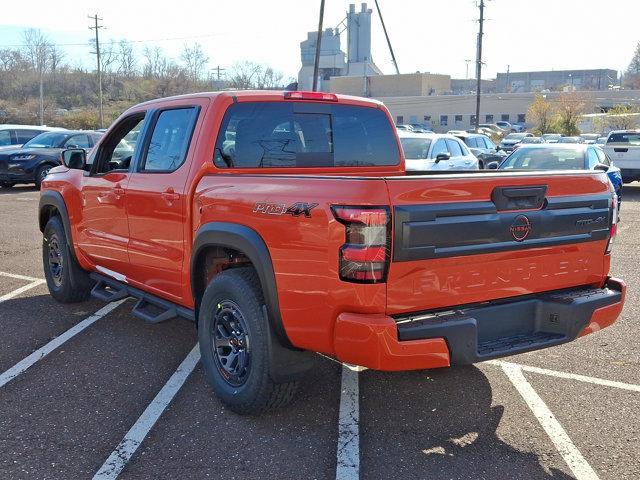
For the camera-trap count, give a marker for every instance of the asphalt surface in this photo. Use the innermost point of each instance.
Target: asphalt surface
(62, 418)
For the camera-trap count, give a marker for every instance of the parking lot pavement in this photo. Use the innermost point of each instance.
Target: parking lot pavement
(70, 409)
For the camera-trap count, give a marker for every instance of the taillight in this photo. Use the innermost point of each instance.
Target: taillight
(614, 223)
(326, 97)
(364, 257)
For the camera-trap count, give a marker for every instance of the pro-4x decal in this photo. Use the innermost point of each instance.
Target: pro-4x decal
(296, 209)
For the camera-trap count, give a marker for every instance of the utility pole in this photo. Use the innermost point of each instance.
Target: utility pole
(97, 27)
(393, 57)
(479, 64)
(506, 87)
(318, 42)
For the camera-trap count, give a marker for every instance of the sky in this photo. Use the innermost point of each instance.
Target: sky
(434, 36)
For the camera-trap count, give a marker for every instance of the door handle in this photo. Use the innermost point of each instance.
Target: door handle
(170, 195)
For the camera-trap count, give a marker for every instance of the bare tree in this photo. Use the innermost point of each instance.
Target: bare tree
(156, 62)
(269, 79)
(38, 50)
(632, 75)
(246, 75)
(126, 59)
(195, 61)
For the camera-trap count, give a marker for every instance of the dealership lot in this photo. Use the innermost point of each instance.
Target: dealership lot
(64, 411)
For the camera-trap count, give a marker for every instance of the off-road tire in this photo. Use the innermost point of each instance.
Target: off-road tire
(69, 284)
(240, 288)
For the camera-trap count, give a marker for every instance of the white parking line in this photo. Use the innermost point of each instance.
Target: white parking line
(569, 452)
(20, 290)
(119, 458)
(45, 350)
(19, 277)
(348, 452)
(569, 376)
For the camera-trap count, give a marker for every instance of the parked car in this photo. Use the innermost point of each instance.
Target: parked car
(589, 138)
(421, 127)
(601, 141)
(551, 137)
(482, 147)
(623, 147)
(529, 141)
(494, 128)
(433, 151)
(357, 260)
(504, 125)
(518, 127)
(564, 157)
(32, 162)
(14, 136)
(570, 140)
(404, 127)
(509, 142)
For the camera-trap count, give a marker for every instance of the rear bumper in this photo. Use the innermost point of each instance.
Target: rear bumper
(476, 333)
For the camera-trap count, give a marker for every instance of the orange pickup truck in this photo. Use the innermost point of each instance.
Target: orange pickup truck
(283, 223)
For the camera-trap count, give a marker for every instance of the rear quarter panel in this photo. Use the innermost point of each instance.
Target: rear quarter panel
(304, 250)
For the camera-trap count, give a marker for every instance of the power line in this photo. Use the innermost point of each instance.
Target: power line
(97, 28)
(18, 45)
(384, 28)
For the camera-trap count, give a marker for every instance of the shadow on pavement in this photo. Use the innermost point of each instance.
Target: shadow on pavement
(437, 424)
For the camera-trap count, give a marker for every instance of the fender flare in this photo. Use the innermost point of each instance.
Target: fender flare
(51, 198)
(246, 240)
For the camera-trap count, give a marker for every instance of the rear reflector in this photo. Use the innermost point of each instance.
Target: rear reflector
(614, 223)
(318, 96)
(364, 258)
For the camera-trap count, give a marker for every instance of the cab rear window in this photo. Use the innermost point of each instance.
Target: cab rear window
(298, 134)
(628, 138)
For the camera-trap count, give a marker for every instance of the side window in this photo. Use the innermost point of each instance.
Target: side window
(439, 147)
(602, 157)
(472, 142)
(5, 138)
(490, 145)
(78, 141)
(454, 148)
(170, 140)
(25, 135)
(592, 158)
(116, 152)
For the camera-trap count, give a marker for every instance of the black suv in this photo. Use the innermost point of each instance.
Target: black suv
(482, 147)
(32, 162)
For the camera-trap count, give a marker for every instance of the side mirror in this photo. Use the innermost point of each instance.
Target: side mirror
(492, 166)
(75, 158)
(601, 167)
(442, 156)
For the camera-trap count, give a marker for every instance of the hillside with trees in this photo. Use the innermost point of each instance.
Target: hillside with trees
(40, 83)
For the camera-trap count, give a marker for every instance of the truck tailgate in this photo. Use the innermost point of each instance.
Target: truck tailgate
(466, 239)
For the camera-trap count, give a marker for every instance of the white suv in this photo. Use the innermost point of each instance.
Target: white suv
(14, 136)
(623, 147)
(432, 151)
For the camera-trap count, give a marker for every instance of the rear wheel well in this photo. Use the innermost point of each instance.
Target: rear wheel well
(210, 262)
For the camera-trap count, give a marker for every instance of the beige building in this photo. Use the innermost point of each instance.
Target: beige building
(408, 84)
(457, 112)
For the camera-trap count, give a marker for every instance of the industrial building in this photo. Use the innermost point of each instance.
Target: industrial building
(521, 82)
(333, 62)
(457, 112)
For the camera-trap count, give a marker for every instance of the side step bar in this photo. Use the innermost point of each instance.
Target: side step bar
(149, 307)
